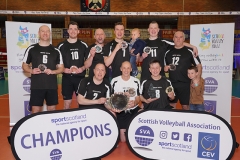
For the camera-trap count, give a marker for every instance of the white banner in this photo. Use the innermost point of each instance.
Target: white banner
(19, 35)
(74, 134)
(215, 47)
(181, 135)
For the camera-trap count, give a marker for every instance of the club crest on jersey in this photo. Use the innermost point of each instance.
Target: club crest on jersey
(95, 5)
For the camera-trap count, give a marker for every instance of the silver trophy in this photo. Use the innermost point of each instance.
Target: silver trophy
(98, 48)
(42, 67)
(124, 45)
(172, 67)
(118, 101)
(169, 89)
(73, 69)
(147, 50)
(132, 93)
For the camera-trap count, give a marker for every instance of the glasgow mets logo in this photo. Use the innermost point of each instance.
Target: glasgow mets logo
(205, 39)
(23, 37)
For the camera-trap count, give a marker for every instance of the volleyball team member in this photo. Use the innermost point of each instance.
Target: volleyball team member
(153, 90)
(183, 58)
(73, 51)
(122, 84)
(158, 50)
(94, 58)
(94, 90)
(46, 64)
(113, 52)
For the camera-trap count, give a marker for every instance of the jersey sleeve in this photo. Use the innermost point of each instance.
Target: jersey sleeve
(107, 49)
(142, 87)
(109, 89)
(82, 87)
(169, 44)
(60, 60)
(113, 84)
(27, 56)
(195, 60)
(138, 87)
(166, 61)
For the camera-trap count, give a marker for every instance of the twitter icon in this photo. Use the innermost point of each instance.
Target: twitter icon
(175, 135)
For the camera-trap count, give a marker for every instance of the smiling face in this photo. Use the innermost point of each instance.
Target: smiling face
(99, 36)
(119, 31)
(44, 33)
(178, 39)
(192, 74)
(126, 69)
(73, 31)
(155, 69)
(153, 30)
(99, 71)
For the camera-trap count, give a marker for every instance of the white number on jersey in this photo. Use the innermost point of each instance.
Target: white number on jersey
(95, 95)
(153, 52)
(74, 55)
(175, 60)
(157, 92)
(45, 59)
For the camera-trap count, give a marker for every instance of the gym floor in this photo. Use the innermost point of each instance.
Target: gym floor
(121, 152)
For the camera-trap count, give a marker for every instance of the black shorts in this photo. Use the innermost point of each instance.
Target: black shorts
(39, 95)
(182, 92)
(124, 118)
(70, 85)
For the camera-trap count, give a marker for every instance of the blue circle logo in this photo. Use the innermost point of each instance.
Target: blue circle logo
(56, 154)
(144, 135)
(211, 85)
(27, 85)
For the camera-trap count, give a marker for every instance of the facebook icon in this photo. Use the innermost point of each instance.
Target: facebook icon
(187, 137)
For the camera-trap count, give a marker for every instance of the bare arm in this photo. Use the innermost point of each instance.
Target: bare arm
(199, 67)
(60, 69)
(83, 101)
(89, 60)
(28, 69)
(108, 60)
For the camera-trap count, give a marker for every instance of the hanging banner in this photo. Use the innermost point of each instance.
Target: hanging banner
(19, 36)
(95, 5)
(74, 134)
(181, 135)
(215, 48)
(85, 33)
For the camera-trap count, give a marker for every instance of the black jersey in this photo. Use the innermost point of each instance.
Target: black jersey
(155, 89)
(182, 58)
(98, 58)
(121, 56)
(90, 90)
(158, 50)
(73, 54)
(50, 57)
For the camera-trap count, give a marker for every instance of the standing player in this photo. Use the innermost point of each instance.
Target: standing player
(122, 84)
(114, 53)
(153, 90)
(180, 58)
(94, 58)
(93, 91)
(46, 64)
(73, 51)
(158, 50)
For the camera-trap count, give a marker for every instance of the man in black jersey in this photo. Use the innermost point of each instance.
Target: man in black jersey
(73, 51)
(177, 62)
(93, 91)
(46, 64)
(94, 57)
(153, 90)
(114, 54)
(158, 48)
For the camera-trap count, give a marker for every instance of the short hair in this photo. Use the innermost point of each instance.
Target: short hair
(181, 32)
(100, 63)
(118, 23)
(154, 61)
(153, 22)
(193, 68)
(73, 23)
(136, 29)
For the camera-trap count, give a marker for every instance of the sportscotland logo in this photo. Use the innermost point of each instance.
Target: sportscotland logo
(211, 85)
(56, 154)
(205, 39)
(144, 136)
(208, 145)
(23, 37)
(210, 106)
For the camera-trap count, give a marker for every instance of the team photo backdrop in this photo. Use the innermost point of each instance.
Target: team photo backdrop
(181, 135)
(19, 35)
(215, 47)
(65, 135)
